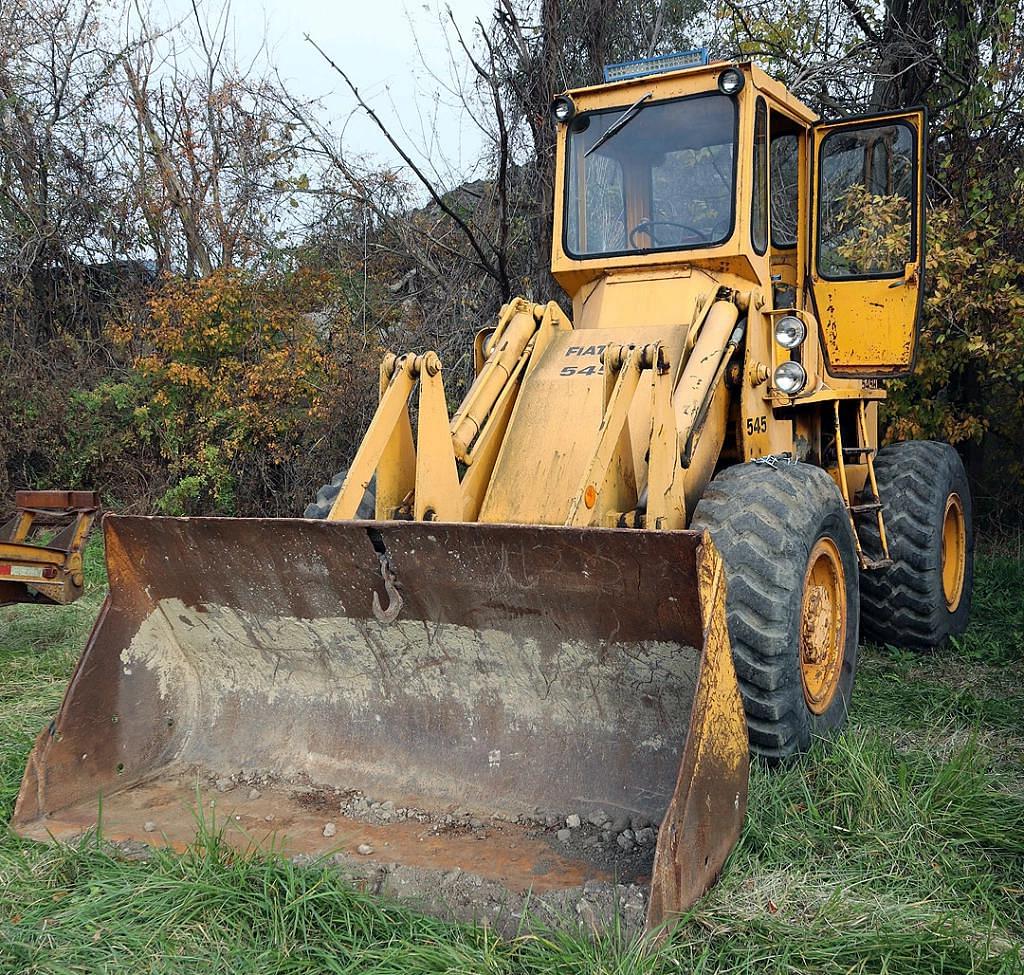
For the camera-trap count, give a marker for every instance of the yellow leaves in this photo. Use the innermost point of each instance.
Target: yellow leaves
(873, 230)
(969, 372)
(233, 360)
(185, 375)
(119, 333)
(240, 373)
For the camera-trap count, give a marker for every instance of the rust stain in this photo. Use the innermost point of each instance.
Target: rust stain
(519, 857)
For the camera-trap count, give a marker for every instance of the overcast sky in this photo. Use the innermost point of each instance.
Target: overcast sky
(389, 48)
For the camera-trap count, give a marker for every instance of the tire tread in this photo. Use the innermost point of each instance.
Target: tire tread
(903, 605)
(753, 512)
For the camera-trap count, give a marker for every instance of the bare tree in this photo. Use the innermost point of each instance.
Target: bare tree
(58, 182)
(215, 149)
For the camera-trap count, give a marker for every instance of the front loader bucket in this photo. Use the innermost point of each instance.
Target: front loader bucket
(522, 677)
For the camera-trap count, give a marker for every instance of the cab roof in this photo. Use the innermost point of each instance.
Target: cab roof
(672, 83)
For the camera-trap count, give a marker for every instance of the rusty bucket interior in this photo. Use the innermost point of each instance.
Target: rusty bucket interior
(538, 708)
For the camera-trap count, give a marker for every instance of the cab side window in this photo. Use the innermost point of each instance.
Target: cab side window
(759, 201)
(785, 183)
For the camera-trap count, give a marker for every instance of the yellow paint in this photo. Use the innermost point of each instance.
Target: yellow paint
(24, 561)
(621, 415)
(954, 552)
(869, 326)
(823, 612)
(715, 762)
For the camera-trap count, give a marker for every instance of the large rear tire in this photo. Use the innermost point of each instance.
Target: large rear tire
(924, 597)
(325, 497)
(793, 602)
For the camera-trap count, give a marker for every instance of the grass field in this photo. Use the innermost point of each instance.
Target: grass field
(898, 848)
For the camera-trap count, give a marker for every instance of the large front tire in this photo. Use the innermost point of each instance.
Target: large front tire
(924, 597)
(793, 602)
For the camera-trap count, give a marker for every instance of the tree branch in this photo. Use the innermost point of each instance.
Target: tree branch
(485, 262)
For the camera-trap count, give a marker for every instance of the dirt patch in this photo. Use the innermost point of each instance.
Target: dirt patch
(318, 801)
(458, 895)
(547, 869)
(621, 848)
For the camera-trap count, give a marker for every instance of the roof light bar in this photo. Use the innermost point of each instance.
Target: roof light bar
(677, 61)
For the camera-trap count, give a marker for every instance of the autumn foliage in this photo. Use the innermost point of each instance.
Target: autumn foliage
(246, 384)
(968, 387)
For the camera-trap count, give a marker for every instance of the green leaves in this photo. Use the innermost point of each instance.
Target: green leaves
(968, 381)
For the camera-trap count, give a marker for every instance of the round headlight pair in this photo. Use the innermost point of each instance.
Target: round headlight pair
(790, 331)
(790, 378)
(562, 109)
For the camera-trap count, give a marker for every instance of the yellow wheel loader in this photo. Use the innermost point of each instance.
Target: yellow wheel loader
(526, 648)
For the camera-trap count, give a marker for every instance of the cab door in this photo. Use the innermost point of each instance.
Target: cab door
(867, 232)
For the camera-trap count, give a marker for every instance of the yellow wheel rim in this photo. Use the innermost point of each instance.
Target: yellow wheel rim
(954, 551)
(822, 625)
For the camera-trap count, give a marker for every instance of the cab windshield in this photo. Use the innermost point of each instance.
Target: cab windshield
(664, 181)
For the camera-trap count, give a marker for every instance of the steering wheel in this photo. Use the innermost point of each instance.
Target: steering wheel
(649, 225)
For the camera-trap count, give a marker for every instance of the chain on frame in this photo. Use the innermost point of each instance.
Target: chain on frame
(776, 461)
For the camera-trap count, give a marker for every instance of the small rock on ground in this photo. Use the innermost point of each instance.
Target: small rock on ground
(647, 836)
(573, 821)
(149, 826)
(564, 835)
(254, 793)
(225, 785)
(364, 849)
(330, 829)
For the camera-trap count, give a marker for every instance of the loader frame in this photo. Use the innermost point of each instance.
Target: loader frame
(702, 391)
(31, 572)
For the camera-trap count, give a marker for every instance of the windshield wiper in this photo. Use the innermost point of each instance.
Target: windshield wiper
(619, 123)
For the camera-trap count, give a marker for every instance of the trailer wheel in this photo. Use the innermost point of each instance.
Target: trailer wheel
(924, 597)
(325, 497)
(793, 601)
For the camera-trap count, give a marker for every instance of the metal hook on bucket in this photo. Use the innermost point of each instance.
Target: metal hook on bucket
(395, 601)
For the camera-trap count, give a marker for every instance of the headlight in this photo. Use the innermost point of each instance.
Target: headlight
(790, 378)
(562, 109)
(790, 331)
(730, 81)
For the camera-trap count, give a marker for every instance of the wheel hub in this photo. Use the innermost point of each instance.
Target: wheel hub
(816, 622)
(954, 551)
(822, 625)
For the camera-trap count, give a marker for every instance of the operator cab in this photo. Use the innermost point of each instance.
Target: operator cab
(676, 164)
